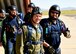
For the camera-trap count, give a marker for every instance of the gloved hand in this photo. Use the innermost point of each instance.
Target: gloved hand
(68, 33)
(51, 49)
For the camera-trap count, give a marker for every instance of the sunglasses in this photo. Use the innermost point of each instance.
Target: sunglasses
(55, 12)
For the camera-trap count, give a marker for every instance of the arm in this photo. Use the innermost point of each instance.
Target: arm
(50, 48)
(20, 41)
(45, 44)
(19, 44)
(65, 31)
(3, 35)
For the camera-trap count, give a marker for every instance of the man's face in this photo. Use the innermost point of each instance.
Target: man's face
(30, 9)
(13, 12)
(2, 15)
(54, 14)
(37, 18)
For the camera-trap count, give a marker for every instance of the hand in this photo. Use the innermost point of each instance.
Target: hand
(68, 33)
(46, 44)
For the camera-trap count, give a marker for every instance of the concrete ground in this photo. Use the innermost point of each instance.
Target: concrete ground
(68, 46)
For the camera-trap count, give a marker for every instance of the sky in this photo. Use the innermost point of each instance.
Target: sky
(46, 4)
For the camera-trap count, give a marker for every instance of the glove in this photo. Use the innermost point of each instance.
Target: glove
(51, 49)
(68, 33)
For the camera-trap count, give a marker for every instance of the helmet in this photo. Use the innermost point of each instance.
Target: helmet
(55, 8)
(31, 5)
(2, 11)
(12, 7)
(3, 14)
(36, 10)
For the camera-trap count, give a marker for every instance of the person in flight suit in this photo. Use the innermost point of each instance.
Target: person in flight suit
(29, 11)
(2, 17)
(11, 25)
(32, 34)
(53, 27)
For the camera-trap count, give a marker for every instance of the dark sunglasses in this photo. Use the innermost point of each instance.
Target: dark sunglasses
(55, 12)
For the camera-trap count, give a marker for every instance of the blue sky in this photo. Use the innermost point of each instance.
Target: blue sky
(45, 4)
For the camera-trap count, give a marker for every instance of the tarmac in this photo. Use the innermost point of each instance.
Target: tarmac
(68, 46)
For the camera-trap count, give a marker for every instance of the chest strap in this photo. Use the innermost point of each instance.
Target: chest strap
(35, 42)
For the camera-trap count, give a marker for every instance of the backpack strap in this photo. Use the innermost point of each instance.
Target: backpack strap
(40, 27)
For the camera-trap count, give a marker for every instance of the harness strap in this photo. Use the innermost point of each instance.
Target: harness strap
(35, 42)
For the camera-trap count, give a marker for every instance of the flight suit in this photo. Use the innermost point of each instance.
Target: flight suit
(52, 33)
(11, 27)
(32, 40)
